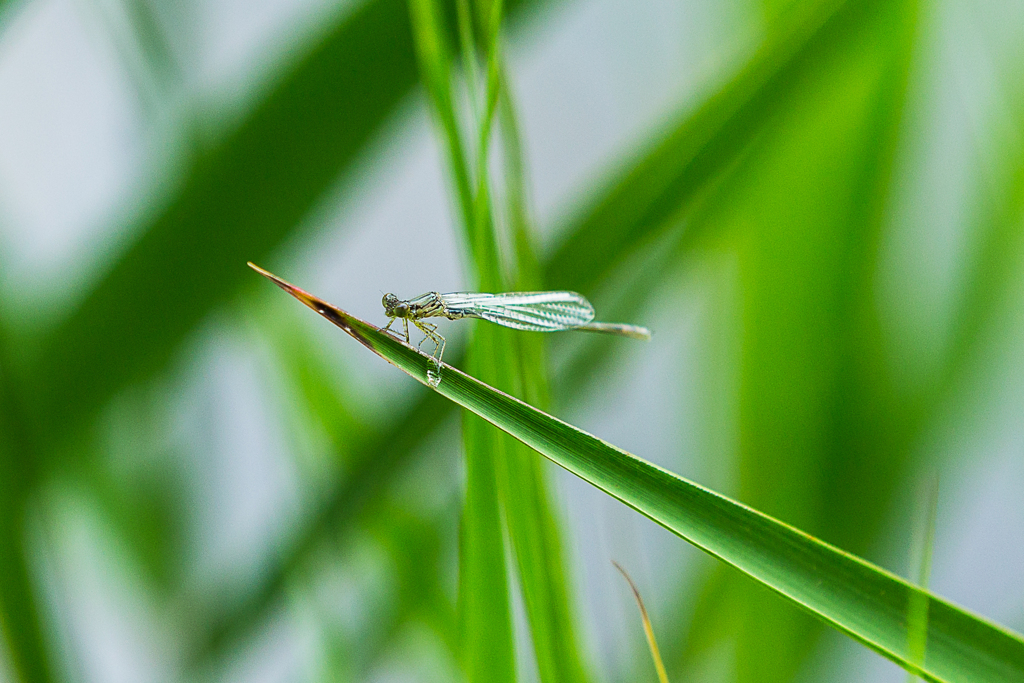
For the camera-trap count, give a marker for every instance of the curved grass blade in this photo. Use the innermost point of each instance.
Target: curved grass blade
(652, 642)
(856, 597)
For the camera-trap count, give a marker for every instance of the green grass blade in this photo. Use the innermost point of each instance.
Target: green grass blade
(485, 619)
(434, 57)
(496, 356)
(853, 595)
(486, 632)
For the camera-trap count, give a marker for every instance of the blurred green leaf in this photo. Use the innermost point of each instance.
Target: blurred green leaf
(641, 200)
(853, 595)
(238, 200)
(811, 214)
(994, 263)
(410, 578)
(415, 547)
(921, 564)
(21, 620)
(372, 460)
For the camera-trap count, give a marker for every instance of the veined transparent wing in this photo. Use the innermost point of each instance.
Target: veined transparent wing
(534, 311)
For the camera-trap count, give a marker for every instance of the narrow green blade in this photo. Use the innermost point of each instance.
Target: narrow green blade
(858, 598)
(502, 476)
(486, 632)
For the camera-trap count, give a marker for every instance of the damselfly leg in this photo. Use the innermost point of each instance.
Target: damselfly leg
(403, 335)
(429, 331)
(393, 333)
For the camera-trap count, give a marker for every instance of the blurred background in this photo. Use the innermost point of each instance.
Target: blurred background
(817, 207)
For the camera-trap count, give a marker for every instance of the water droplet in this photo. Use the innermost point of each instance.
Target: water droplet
(433, 373)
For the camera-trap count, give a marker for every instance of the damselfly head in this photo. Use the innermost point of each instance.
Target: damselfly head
(394, 307)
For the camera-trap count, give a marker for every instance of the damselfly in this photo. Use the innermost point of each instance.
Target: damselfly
(533, 311)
